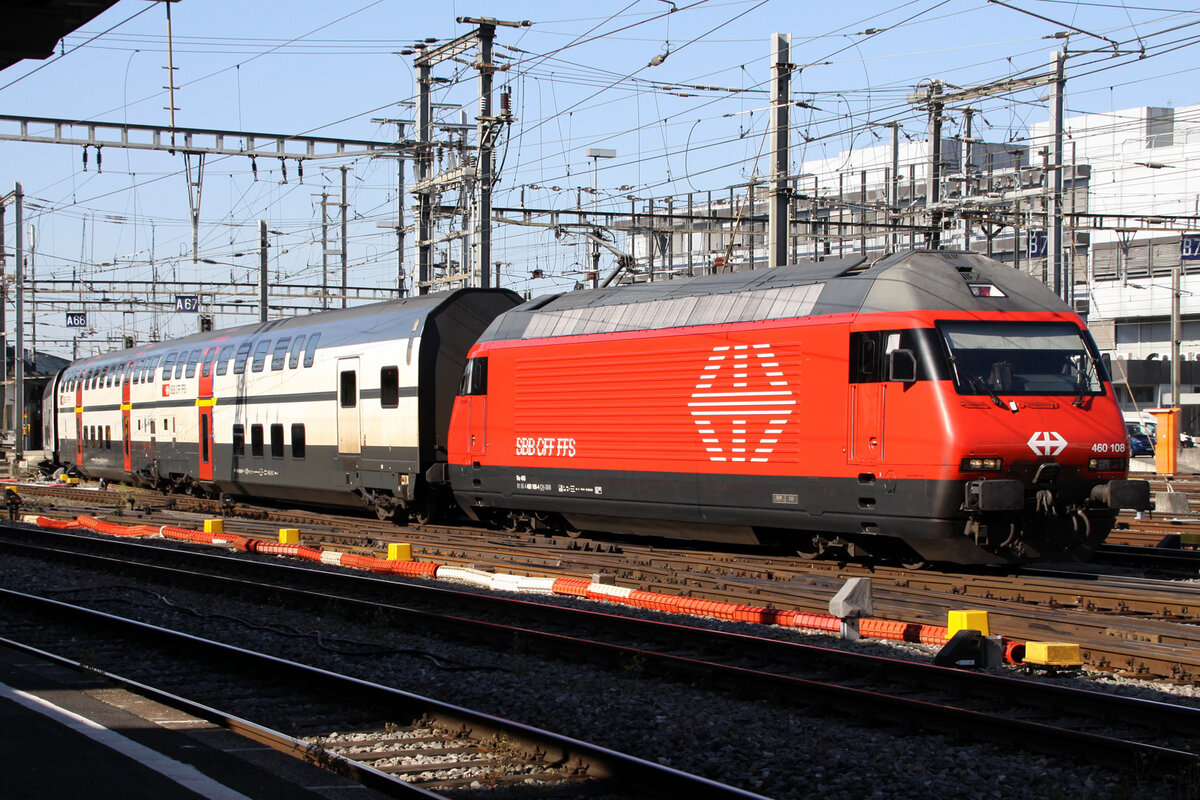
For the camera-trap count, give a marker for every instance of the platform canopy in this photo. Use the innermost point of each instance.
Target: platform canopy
(33, 28)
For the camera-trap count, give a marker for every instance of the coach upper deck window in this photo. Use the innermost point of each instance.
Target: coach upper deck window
(297, 349)
(193, 360)
(474, 379)
(260, 355)
(280, 355)
(348, 389)
(389, 387)
(223, 359)
(311, 350)
(239, 361)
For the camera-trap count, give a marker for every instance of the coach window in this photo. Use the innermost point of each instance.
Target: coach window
(297, 440)
(311, 350)
(279, 357)
(260, 355)
(193, 360)
(256, 441)
(276, 440)
(348, 389)
(181, 365)
(297, 349)
(239, 440)
(108, 437)
(168, 362)
(223, 359)
(389, 387)
(239, 361)
(207, 364)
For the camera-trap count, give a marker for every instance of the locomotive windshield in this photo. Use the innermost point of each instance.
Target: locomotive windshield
(1042, 358)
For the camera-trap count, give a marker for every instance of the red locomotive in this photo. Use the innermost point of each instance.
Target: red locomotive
(925, 407)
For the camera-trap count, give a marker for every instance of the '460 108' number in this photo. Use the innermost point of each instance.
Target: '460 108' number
(1105, 447)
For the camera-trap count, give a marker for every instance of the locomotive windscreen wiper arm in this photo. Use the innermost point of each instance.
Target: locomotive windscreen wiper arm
(981, 384)
(1083, 381)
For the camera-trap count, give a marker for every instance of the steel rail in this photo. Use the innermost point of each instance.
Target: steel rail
(603, 763)
(939, 717)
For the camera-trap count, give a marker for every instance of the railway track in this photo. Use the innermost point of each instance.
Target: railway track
(1124, 623)
(399, 742)
(1041, 717)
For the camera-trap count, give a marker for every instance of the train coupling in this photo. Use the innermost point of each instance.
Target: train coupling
(1120, 493)
(994, 495)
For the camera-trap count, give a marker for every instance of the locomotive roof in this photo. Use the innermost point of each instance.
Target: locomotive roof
(914, 280)
(390, 319)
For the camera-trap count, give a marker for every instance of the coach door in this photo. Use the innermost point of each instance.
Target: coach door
(349, 435)
(79, 421)
(204, 403)
(126, 407)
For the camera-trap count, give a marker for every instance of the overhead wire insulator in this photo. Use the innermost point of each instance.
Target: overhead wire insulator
(99, 160)
(300, 169)
(253, 167)
(283, 169)
(85, 147)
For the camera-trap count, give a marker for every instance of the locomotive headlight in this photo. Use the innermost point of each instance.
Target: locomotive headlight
(981, 464)
(1106, 464)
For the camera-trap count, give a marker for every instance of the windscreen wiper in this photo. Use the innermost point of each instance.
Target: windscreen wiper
(982, 384)
(1084, 383)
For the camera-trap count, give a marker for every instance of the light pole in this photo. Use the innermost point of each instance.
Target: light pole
(595, 154)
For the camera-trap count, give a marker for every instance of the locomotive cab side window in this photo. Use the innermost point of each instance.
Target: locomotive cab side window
(474, 379)
(911, 354)
(389, 387)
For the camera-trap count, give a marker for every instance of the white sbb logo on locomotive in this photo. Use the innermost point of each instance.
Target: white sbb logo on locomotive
(1047, 443)
(741, 403)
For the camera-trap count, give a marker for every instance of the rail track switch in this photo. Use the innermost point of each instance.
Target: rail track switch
(970, 649)
(1053, 654)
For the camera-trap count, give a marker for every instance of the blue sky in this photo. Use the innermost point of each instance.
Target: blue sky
(580, 78)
